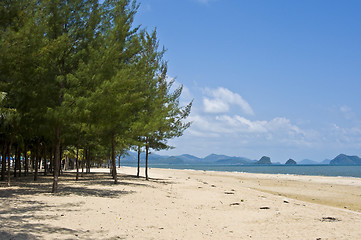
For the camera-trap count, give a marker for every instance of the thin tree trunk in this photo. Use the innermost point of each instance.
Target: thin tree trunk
(19, 163)
(9, 156)
(114, 165)
(77, 163)
(146, 159)
(41, 159)
(3, 162)
(82, 161)
(45, 163)
(56, 160)
(37, 161)
(119, 160)
(60, 159)
(138, 161)
(26, 162)
(88, 162)
(9, 160)
(15, 162)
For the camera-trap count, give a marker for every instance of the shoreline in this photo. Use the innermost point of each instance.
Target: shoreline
(179, 204)
(211, 168)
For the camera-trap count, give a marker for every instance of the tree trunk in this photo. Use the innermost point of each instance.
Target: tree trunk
(119, 159)
(15, 162)
(26, 162)
(3, 162)
(88, 162)
(138, 161)
(9, 160)
(77, 164)
(82, 161)
(60, 171)
(9, 156)
(45, 163)
(40, 159)
(114, 165)
(146, 159)
(56, 160)
(37, 161)
(19, 163)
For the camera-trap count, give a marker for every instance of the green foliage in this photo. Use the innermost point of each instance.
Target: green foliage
(78, 73)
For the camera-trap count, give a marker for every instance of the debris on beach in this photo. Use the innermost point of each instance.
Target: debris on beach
(264, 208)
(330, 219)
(228, 192)
(235, 204)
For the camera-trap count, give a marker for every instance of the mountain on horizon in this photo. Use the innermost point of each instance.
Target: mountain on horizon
(344, 159)
(264, 161)
(131, 158)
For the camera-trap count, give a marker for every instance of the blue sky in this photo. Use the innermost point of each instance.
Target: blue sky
(276, 78)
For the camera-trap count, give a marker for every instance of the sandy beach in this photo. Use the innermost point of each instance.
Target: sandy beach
(182, 204)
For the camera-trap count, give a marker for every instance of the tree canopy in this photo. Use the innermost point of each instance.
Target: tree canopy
(78, 75)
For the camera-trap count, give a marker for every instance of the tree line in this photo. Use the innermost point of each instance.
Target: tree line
(77, 77)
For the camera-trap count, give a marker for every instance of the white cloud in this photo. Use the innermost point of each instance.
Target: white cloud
(341, 135)
(220, 100)
(225, 124)
(215, 106)
(218, 128)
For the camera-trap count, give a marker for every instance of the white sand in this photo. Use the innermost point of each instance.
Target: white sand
(183, 204)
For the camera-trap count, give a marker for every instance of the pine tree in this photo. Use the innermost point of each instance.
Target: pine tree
(161, 117)
(114, 102)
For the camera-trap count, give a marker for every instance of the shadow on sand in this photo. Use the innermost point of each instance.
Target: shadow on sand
(24, 219)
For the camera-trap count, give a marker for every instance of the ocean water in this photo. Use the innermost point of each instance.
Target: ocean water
(314, 170)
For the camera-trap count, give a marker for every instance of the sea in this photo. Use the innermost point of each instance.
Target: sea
(313, 170)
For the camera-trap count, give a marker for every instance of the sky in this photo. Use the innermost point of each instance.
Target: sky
(273, 78)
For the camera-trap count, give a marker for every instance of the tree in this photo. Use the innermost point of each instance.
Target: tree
(66, 30)
(167, 121)
(77, 75)
(116, 95)
(9, 127)
(161, 117)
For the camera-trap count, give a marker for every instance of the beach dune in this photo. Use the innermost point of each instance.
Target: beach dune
(182, 204)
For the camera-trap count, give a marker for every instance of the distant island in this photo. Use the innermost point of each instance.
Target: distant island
(264, 161)
(215, 159)
(291, 162)
(343, 159)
